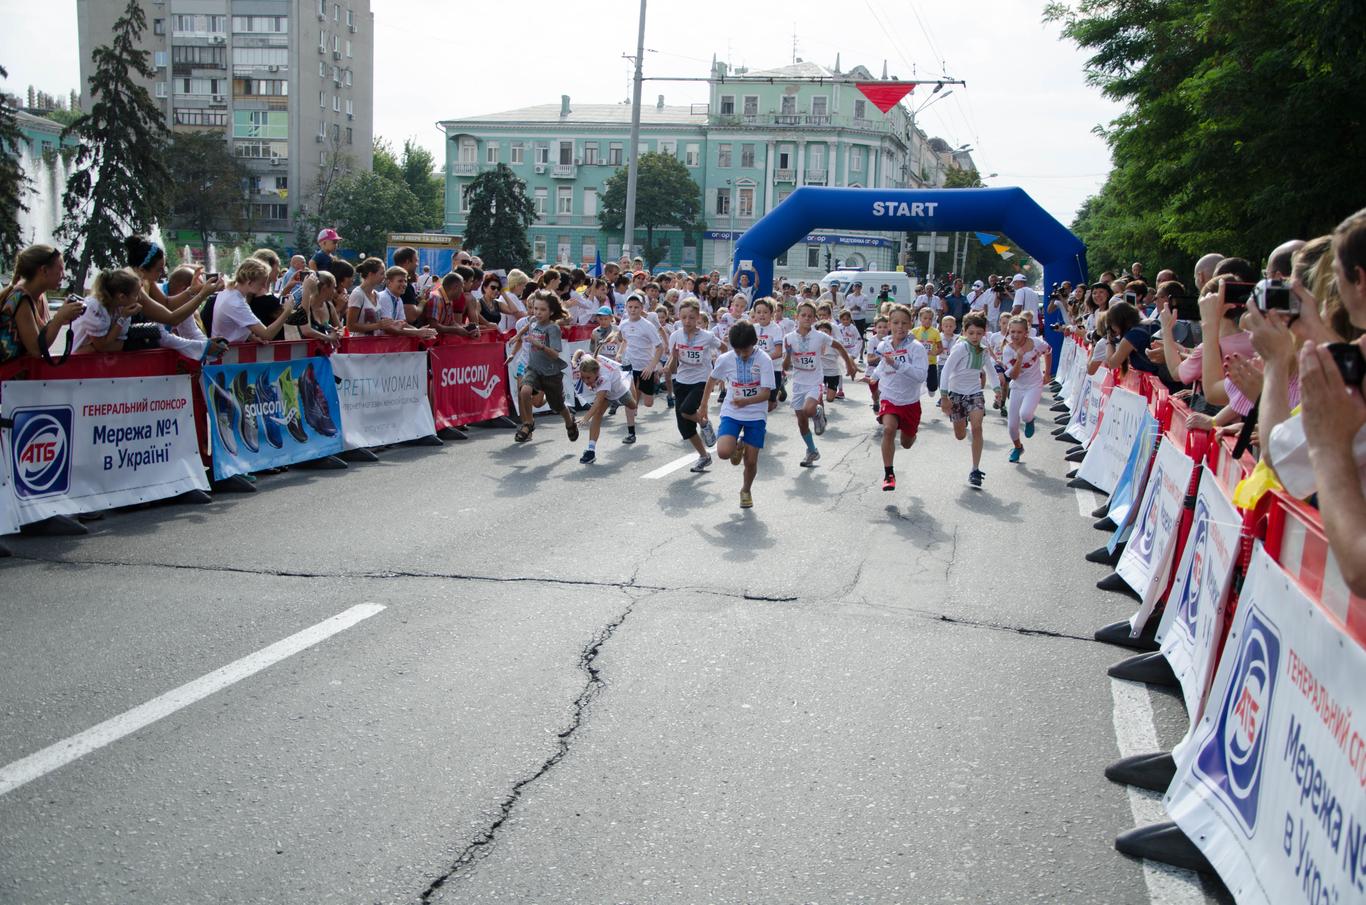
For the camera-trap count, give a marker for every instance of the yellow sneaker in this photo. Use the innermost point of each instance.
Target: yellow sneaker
(738, 455)
(746, 501)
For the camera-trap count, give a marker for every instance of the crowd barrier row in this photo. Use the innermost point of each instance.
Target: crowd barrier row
(1245, 613)
(105, 430)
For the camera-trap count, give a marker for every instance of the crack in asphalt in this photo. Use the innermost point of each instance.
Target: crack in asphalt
(481, 844)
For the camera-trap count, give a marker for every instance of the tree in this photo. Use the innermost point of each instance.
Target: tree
(500, 213)
(1236, 119)
(309, 218)
(666, 196)
(208, 194)
(418, 166)
(120, 183)
(14, 183)
(365, 207)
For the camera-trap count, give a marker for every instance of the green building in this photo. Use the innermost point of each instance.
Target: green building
(762, 134)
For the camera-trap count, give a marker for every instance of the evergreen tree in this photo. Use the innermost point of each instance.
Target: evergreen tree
(207, 195)
(14, 184)
(666, 196)
(500, 213)
(119, 184)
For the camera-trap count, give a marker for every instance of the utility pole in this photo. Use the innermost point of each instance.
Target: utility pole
(629, 232)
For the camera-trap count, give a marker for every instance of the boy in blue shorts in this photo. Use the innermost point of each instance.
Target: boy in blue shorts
(747, 374)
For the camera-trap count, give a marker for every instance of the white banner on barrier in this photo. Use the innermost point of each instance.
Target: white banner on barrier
(9, 517)
(1077, 387)
(1272, 787)
(85, 445)
(1120, 421)
(1066, 365)
(1188, 633)
(1086, 411)
(1147, 557)
(1075, 375)
(383, 398)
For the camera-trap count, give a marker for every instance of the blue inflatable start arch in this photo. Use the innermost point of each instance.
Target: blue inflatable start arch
(1003, 210)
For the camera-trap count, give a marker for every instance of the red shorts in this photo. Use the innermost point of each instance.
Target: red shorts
(907, 416)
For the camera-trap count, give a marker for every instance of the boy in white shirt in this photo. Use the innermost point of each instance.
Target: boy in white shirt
(690, 361)
(643, 345)
(803, 349)
(903, 365)
(968, 370)
(748, 376)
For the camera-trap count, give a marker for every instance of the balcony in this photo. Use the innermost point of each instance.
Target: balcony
(797, 121)
(462, 168)
(564, 171)
(815, 177)
(784, 175)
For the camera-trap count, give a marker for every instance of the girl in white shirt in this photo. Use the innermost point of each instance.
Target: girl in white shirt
(1026, 360)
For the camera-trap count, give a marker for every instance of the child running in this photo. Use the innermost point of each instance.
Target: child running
(1025, 359)
(642, 355)
(929, 337)
(601, 384)
(903, 364)
(876, 335)
(803, 349)
(770, 343)
(690, 360)
(748, 375)
(544, 365)
(968, 370)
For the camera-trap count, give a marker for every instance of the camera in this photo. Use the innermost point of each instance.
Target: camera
(1351, 363)
(1131, 297)
(1187, 307)
(1274, 295)
(1235, 293)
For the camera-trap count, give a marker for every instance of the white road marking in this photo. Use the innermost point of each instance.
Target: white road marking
(676, 464)
(1086, 502)
(39, 763)
(1135, 733)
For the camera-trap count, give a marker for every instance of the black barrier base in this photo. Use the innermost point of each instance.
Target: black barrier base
(509, 422)
(1061, 436)
(1100, 511)
(235, 484)
(1076, 449)
(1117, 585)
(1117, 633)
(358, 455)
(1166, 843)
(452, 433)
(5, 551)
(55, 526)
(326, 463)
(429, 440)
(1151, 668)
(1104, 556)
(1058, 407)
(1105, 524)
(1083, 483)
(1062, 419)
(1153, 772)
(1075, 456)
(198, 497)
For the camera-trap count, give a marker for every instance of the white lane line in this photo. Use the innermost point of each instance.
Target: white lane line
(1135, 733)
(64, 752)
(1086, 502)
(676, 464)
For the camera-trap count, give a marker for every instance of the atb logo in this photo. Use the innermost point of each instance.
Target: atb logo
(1230, 760)
(1188, 599)
(42, 451)
(1147, 532)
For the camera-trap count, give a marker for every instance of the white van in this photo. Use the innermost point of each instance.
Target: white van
(899, 283)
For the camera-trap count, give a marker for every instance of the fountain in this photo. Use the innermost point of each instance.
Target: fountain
(47, 181)
(212, 263)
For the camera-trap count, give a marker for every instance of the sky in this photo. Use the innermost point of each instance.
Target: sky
(1026, 109)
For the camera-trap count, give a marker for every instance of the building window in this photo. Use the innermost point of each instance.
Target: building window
(727, 105)
(781, 260)
(542, 151)
(518, 152)
(538, 248)
(590, 252)
(815, 158)
(540, 199)
(820, 106)
(350, 18)
(260, 24)
(590, 202)
(813, 256)
(159, 59)
(350, 136)
(467, 150)
(860, 109)
(564, 200)
(336, 104)
(745, 202)
(336, 12)
(788, 104)
(747, 155)
(491, 152)
(590, 153)
(350, 111)
(692, 155)
(464, 197)
(348, 48)
(322, 70)
(161, 89)
(158, 26)
(856, 158)
(723, 202)
(566, 153)
(751, 105)
(668, 146)
(256, 57)
(723, 154)
(614, 154)
(347, 78)
(785, 157)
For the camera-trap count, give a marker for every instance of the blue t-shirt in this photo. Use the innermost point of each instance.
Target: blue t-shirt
(1140, 338)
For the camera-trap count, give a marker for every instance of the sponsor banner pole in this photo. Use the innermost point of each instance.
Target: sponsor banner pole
(1272, 787)
(383, 398)
(271, 413)
(84, 445)
(469, 383)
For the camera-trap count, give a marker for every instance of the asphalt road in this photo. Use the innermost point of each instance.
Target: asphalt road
(585, 685)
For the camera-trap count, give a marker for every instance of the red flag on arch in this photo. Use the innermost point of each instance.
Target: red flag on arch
(885, 95)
